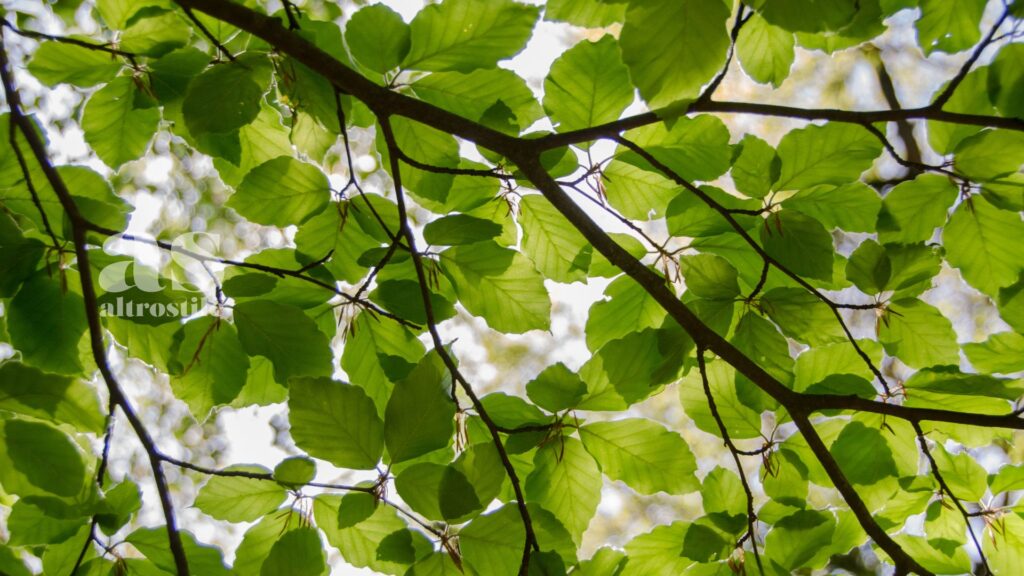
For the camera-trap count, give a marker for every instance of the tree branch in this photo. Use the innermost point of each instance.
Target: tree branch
(79, 228)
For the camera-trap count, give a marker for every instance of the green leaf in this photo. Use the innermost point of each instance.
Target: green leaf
(863, 454)
(156, 33)
(586, 13)
(949, 26)
(918, 334)
(512, 411)
(499, 285)
(420, 416)
(482, 466)
(660, 34)
(222, 99)
(761, 341)
(817, 364)
(869, 267)
(932, 557)
(1005, 78)
(796, 539)
(116, 130)
(31, 525)
(46, 323)
(492, 544)
(913, 267)
(709, 276)
(834, 153)
(980, 242)
(464, 35)
(460, 229)
(765, 51)
(202, 559)
(557, 249)
(556, 388)
(756, 167)
(635, 192)
(436, 564)
(281, 191)
(566, 481)
(1003, 551)
(1011, 305)
(703, 543)
(657, 552)
(335, 422)
(258, 541)
(588, 85)
(46, 456)
(295, 471)
(365, 544)
(479, 93)
(377, 354)
(25, 390)
(971, 97)
(852, 207)
(405, 298)
(808, 15)
(239, 499)
(642, 454)
(912, 210)
(630, 309)
(694, 148)
(1002, 353)
(286, 336)
(1008, 478)
(990, 154)
(741, 421)
(213, 365)
(605, 561)
(633, 367)
(802, 316)
(55, 63)
(437, 492)
(965, 477)
(377, 37)
(723, 499)
(117, 13)
(18, 257)
(1006, 193)
(297, 552)
(800, 243)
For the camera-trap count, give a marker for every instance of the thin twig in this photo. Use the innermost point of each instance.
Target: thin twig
(734, 34)
(209, 35)
(751, 516)
(944, 487)
(32, 188)
(946, 94)
(530, 543)
(101, 470)
(68, 40)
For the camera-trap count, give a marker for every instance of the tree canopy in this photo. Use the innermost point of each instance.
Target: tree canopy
(827, 299)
